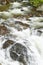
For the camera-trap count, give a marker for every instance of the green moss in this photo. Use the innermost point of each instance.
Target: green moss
(4, 7)
(36, 3)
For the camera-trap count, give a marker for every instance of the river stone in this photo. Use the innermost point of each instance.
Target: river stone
(7, 44)
(19, 52)
(3, 30)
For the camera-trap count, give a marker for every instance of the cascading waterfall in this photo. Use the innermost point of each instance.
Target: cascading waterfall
(21, 40)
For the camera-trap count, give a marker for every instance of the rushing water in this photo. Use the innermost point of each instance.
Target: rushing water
(28, 33)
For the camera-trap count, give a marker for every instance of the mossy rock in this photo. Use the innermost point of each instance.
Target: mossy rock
(4, 7)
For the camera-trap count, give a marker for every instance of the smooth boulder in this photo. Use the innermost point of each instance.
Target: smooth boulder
(19, 52)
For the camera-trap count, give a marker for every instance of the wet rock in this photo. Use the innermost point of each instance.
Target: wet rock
(3, 30)
(18, 25)
(7, 44)
(19, 52)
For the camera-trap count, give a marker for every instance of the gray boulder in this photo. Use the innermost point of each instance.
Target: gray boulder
(19, 52)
